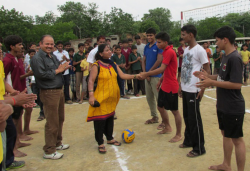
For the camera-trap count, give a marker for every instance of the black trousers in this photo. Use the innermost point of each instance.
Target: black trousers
(66, 86)
(104, 127)
(138, 84)
(11, 140)
(36, 91)
(194, 135)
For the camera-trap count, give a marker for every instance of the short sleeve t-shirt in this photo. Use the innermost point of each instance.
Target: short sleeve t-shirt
(85, 64)
(245, 55)
(118, 60)
(230, 101)
(77, 57)
(126, 53)
(193, 59)
(151, 54)
(170, 83)
(136, 65)
(216, 63)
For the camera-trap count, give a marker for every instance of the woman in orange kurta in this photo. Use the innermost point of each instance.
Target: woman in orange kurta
(107, 93)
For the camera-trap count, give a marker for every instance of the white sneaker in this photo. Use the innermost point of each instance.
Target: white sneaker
(63, 147)
(130, 92)
(53, 156)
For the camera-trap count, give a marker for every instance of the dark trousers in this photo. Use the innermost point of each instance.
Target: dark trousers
(138, 84)
(122, 93)
(211, 69)
(104, 127)
(66, 86)
(194, 135)
(36, 91)
(11, 140)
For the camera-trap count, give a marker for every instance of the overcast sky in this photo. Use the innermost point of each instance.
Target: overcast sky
(135, 7)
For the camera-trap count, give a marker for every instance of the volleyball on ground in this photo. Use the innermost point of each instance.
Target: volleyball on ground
(128, 135)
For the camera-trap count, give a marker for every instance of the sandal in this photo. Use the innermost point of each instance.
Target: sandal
(161, 126)
(193, 154)
(115, 142)
(102, 148)
(40, 118)
(152, 121)
(184, 146)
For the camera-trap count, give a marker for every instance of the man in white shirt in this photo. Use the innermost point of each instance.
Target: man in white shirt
(140, 46)
(63, 56)
(194, 58)
(91, 57)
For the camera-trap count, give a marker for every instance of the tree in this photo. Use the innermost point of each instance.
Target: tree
(161, 16)
(87, 20)
(15, 23)
(146, 24)
(49, 18)
(118, 22)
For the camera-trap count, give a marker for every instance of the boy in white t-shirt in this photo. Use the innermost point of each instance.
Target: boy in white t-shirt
(194, 58)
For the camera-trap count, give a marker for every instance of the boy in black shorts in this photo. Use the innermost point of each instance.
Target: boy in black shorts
(230, 102)
(167, 86)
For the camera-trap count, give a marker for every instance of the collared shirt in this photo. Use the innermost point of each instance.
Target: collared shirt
(137, 65)
(44, 68)
(59, 56)
(151, 54)
(140, 49)
(77, 57)
(13, 68)
(118, 60)
(91, 57)
(126, 53)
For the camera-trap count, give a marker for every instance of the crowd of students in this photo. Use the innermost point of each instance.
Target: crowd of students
(102, 70)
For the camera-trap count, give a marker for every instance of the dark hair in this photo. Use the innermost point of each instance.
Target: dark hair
(163, 36)
(108, 40)
(12, 40)
(42, 38)
(130, 40)
(71, 50)
(117, 47)
(133, 47)
(226, 32)
(244, 45)
(217, 47)
(114, 45)
(170, 43)
(190, 29)
(235, 44)
(86, 52)
(59, 43)
(180, 39)
(204, 43)
(80, 44)
(95, 44)
(31, 50)
(151, 31)
(90, 48)
(100, 37)
(125, 41)
(32, 43)
(100, 50)
(67, 43)
(119, 43)
(137, 37)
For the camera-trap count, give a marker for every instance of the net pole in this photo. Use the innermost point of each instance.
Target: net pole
(182, 19)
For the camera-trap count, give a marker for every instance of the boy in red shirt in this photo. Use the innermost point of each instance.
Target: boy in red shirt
(167, 86)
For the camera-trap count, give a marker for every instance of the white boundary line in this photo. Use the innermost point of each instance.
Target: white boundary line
(122, 162)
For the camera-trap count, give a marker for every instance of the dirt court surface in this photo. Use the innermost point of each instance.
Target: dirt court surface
(149, 151)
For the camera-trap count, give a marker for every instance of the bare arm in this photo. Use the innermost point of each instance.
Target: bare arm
(157, 63)
(125, 76)
(30, 73)
(154, 72)
(144, 64)
(92, 78)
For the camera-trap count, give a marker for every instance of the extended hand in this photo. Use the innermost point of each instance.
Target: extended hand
(143, 75)
(207, 82)
(201, 74)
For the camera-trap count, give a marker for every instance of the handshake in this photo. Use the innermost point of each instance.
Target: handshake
(142, 76)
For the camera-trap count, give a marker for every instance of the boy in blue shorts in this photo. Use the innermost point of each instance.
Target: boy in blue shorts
(230, 102)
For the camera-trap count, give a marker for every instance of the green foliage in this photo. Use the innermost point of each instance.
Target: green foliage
(146, 24)
(161, 16)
